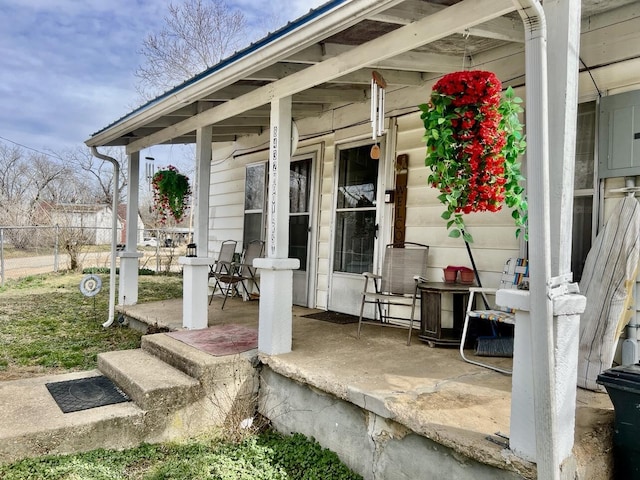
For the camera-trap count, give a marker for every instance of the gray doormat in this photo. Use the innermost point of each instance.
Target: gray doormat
(85, 393)
(334, 317)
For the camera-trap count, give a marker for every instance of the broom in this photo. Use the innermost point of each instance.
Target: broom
(493, 345)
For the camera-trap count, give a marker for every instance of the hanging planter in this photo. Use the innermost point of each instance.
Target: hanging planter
(474, 139)
(171, 192)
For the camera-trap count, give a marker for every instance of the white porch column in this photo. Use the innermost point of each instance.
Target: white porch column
(547, 317)
(195, 271)
(276, 275)
(566, 310)
(128, 285)
(563, 17)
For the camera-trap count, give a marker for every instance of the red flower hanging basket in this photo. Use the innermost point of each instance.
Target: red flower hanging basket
(474, 139)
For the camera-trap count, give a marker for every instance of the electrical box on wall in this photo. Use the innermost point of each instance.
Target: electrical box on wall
(619, 135)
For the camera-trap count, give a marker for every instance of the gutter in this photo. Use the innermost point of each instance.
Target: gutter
(114, 234)
(541, 283)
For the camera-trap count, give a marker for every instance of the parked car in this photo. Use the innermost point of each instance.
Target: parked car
(149, 242)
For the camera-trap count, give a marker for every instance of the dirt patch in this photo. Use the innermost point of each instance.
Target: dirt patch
(593, 443)
(16, 372)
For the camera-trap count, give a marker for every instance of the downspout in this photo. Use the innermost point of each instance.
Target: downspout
(541, 284)
(114, 234)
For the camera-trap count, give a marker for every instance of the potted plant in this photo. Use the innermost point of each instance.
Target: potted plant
(474, 139)
(171, 192)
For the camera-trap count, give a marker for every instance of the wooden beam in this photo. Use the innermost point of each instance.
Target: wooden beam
(314, 95)
(507, 29)
(409, 61)
(217, 130)
(407, 12)
(465, 14)
(392, 77)
(191, 138)
(421, 62)
(361, 77)
(275, 72)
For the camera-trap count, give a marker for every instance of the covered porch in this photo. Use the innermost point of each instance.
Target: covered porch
(317, 71)
(429, 397)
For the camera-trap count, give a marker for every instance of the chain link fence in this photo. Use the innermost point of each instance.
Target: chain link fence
(31, 250)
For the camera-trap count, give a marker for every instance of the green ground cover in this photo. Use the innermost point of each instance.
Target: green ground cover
(268, 456)
(48, 326)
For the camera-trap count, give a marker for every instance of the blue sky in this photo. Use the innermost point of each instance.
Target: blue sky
(67, 66)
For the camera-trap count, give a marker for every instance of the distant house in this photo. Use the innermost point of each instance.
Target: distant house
(94, 220)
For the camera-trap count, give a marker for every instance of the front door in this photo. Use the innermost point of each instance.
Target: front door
(355, 227)
(300, 225)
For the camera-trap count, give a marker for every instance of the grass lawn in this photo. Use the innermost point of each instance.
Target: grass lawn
(48, 326)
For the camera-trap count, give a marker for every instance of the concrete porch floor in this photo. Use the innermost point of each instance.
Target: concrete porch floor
(431, 391)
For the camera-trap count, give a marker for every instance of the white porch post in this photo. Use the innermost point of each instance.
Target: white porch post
(276, 274)
(196, 269)
(563, 64)
(547, 317)
(128, 285)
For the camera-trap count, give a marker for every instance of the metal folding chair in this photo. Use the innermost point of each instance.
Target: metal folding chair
(514, 274)
(404, 264)
(244, 272)
(223, 267)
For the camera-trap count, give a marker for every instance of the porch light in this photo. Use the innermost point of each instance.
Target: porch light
(191, 250)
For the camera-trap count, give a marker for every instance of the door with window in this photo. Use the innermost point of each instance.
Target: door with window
(300, 184)
(300, 226)
(355, 227)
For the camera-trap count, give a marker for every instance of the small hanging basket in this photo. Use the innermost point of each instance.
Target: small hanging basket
(171, 191)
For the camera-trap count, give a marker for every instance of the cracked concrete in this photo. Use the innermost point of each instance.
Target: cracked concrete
(333, 384)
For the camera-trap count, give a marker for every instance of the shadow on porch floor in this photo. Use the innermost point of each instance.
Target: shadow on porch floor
(431, 391)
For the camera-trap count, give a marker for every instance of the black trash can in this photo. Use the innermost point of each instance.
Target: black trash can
(623, 386)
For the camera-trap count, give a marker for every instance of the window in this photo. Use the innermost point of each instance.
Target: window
(355, 211)
(299, 212)
(583, 187)
(254, 202)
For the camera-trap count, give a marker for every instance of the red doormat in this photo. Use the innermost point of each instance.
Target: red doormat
(220, 340)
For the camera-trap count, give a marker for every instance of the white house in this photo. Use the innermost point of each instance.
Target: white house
(317, 72)
(93, 220)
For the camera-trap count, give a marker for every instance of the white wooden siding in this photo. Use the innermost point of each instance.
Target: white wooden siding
(493, 233)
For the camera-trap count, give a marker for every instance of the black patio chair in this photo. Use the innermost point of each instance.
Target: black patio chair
(239, 274)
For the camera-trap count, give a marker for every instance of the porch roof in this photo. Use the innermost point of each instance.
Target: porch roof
(324, 60)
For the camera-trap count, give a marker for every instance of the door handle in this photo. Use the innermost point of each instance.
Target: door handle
(375, 231)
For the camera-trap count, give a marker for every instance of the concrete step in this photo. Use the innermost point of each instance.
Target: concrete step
(210, 370)
(151, 383)
(32, 423)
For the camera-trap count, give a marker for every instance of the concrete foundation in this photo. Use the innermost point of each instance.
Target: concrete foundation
(372, 445)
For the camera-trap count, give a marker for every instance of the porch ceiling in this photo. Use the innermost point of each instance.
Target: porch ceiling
(326, 62)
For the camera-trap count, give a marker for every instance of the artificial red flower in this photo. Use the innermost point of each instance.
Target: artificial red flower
(472, 161)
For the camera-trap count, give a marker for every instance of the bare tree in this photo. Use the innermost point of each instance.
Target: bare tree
(197, 34)
(98, 174)
(26, 179)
